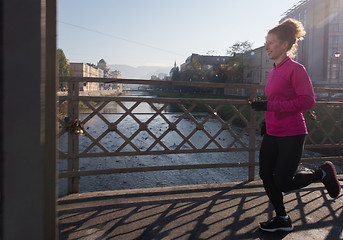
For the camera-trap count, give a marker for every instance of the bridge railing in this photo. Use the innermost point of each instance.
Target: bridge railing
(237, 132)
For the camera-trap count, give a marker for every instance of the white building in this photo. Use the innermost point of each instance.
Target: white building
(108, 73)
(87, 70)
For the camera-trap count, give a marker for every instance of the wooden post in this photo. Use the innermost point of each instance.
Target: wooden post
(252, 139)
(73, 139)
(49, 110)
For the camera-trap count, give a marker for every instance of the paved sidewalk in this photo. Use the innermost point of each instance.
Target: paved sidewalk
(209, 211)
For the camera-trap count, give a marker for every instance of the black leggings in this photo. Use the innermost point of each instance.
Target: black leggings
(279, 161)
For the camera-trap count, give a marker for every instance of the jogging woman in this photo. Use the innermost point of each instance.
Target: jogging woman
(289, 92)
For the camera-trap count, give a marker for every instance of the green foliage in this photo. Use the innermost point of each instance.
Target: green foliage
(237, 65)
(175, 74)
(63, 66)
(239, 48)
(193, 71)
(63, 108)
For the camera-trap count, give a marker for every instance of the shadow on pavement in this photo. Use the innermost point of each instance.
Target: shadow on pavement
(212, 211)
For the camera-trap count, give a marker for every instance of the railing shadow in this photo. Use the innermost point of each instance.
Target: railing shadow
(216, 211)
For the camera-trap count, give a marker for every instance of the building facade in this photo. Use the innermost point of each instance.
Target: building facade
(108, 73)
(87, 70)
(102, 64)
(256, 66)
(321, 52)
(204, 62)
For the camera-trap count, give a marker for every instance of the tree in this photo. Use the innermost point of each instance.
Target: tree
(63, 67)
(237, 51)
(175, 74)
(239, 48)
(193, 72)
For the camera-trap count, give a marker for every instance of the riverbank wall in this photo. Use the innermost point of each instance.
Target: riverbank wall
(103, 93)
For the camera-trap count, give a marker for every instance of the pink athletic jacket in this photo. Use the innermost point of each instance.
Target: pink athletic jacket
(289, 92)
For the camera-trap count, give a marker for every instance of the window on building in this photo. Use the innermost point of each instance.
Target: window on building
(334, 27)
(334, 40)
(250, 74)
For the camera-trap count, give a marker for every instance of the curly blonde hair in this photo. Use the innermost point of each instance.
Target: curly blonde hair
(291, 31)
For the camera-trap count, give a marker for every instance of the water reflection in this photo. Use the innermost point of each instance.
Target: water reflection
(143, 107)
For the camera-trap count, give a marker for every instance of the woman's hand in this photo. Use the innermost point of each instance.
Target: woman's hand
(257, 104)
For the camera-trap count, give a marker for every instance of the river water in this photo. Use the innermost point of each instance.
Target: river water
(159, 178)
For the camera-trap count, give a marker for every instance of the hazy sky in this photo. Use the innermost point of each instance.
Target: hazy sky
(160, 32)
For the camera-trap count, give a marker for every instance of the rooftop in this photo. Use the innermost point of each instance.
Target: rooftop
(296, 6)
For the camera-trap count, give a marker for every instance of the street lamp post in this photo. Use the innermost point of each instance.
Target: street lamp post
(337, 56)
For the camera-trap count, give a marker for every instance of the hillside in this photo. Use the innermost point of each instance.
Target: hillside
(141, 72)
